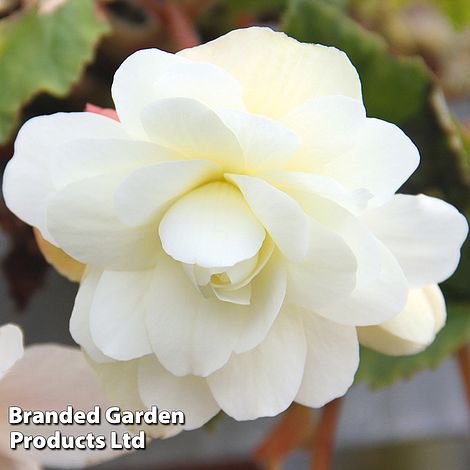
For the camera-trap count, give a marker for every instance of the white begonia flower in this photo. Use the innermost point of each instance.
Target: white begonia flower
(238, 223)
(47, 377)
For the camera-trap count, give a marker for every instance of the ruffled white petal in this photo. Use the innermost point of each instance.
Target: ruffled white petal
(373, 302)
(203, 82)
(194, 130)
(278, 73)
(282, 216)
(327, 273)
(189, 394)
(84, 158)
(381, 161)
(265, 380)
(266, 143)
(83, 221)
(152, 74)
(425, 234)
(413, 329)
(191, 334)
(120, 381)
(118, 311)
(381, 287)
(300, 183)
(26, 177)
(148, 190)
(332, 360)
(328, 126)
(211, 226)
(133, 85)
(80, 319)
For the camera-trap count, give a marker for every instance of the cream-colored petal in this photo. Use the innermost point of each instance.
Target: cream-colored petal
(328, 127)
(240, 296)
(190, 394)
(148, 190)
(281, 215)
(194, 335)
(266, 143)
(332, 360)
(300, 183)
(265, 380)
(194, 130)
(381, 287)
(80, 319)
(118, 311)
(26, 177)
(413, 329)
(85, 158)
(120, 381)
(211, 226)
(151, 74)
(278, 73)
(326, 275)
(381, 161)
(424, 233)
(83, 221)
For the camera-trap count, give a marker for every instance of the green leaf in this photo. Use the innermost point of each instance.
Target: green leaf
(44, 53)
(379, 370)
(393, 87)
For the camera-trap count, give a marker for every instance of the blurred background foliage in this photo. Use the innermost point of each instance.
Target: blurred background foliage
(413, 57)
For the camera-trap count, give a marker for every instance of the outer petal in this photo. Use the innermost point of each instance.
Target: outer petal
(189, 394)
(82, 219)
(332, 360)
(32, 384)
(374, 302)
(194, 130)
(381, 287)
(11, 347)
(265, 380)
(424, 233)
(326, 275)
(133, 84)
(194, 335)
(281, 215)
(84, 158)
(413, 329)
(148, 190)
(328, 126)
(120, 382)
(118, 311)
(151, 74)
(211, 226)
(80, 319)
(383, 159)
(277, 73)
(26, 177)
(294, 182)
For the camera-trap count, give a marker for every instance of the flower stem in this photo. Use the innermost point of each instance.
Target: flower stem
(463, 360)
(293, 430)
(176, 20)
(324, 439)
